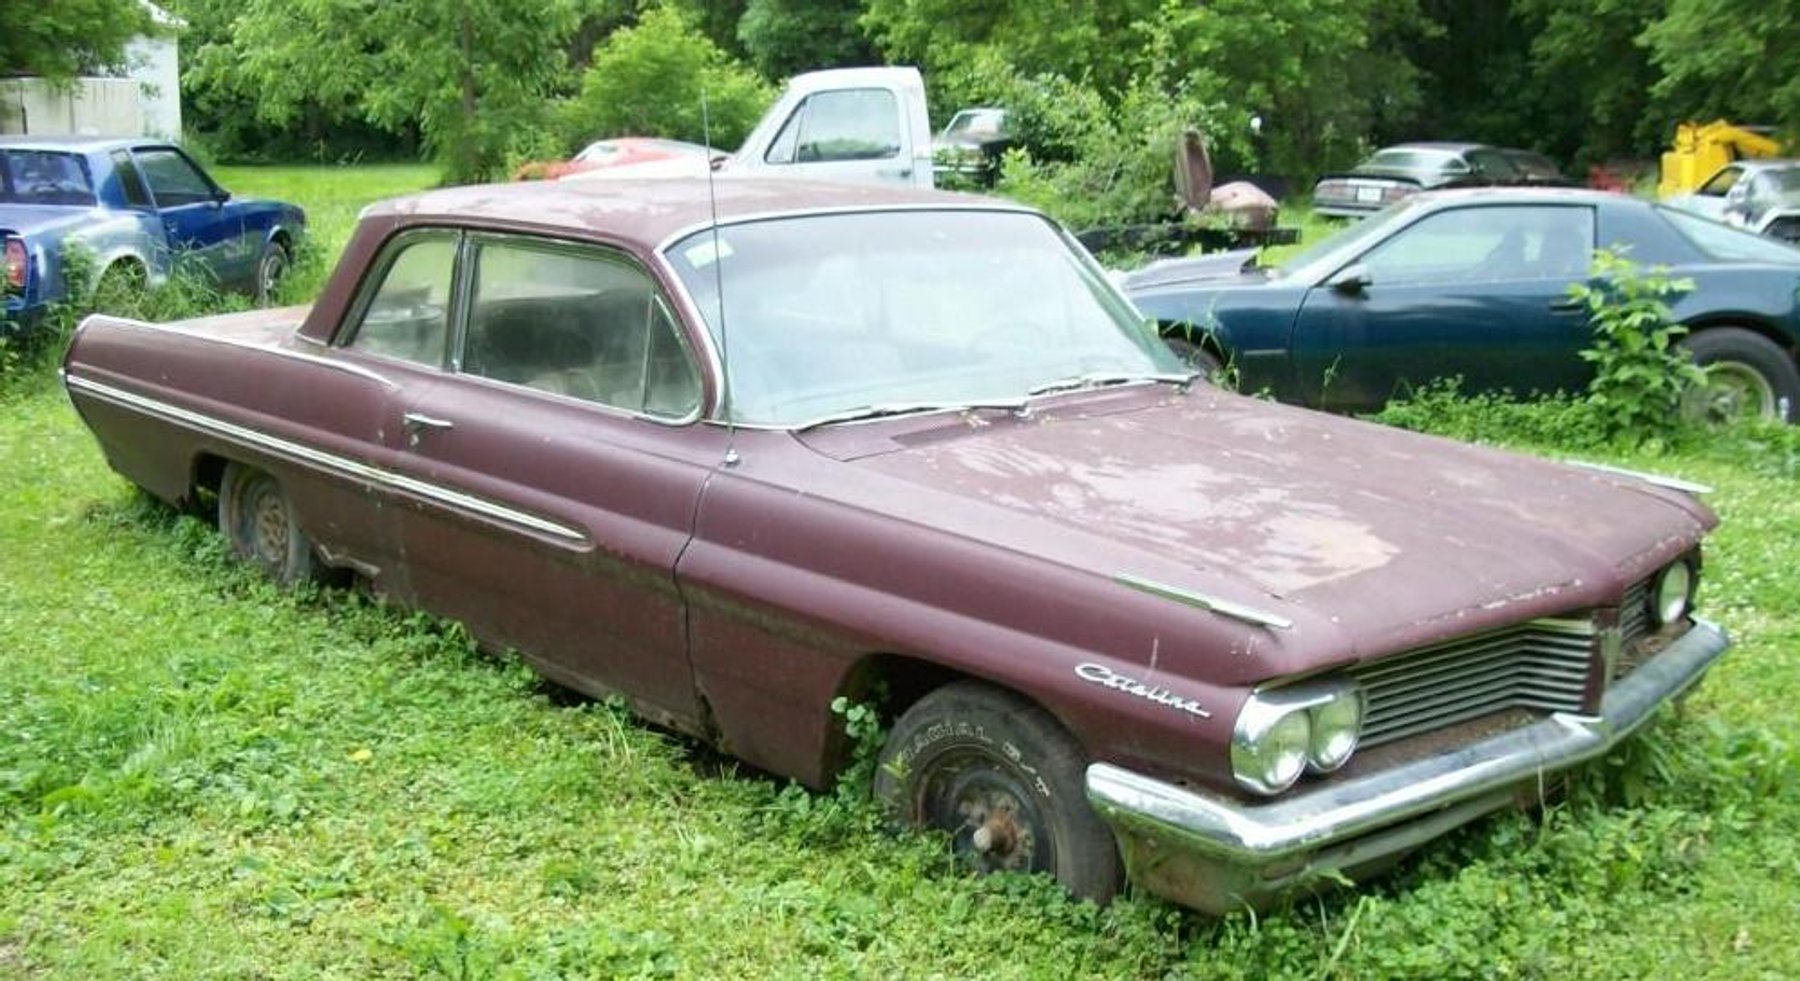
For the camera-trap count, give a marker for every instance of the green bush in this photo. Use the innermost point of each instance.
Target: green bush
(1641, 371)
(648, 81)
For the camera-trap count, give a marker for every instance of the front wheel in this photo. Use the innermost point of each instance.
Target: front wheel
(1009, 785)
(271, 268)
(1748, 376)
(259, 523)
(1198, 359)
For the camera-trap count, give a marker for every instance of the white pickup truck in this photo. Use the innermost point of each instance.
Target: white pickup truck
(857, 125)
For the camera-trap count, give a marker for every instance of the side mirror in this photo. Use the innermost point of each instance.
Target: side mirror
(1351, 280)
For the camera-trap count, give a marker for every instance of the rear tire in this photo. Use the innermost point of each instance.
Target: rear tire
(120, 289)
(1748, 377)
(259, 523)
(1006, 782)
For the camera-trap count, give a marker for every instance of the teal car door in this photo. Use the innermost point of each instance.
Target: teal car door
(1475, 292)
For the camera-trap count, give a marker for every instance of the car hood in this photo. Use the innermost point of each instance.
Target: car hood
(1374, 538)
(1233, 268)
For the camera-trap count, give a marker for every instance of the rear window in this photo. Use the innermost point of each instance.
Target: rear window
(1410, 160)
(44, 177)
(1724, 242)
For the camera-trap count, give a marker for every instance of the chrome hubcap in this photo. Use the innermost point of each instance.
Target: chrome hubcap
(1733, 390)
(269, 525)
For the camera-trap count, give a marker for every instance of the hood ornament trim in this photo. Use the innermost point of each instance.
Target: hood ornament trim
(1213, 604)
(1653, 479)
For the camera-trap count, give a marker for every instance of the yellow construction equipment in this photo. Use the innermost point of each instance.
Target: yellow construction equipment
(1702, 148)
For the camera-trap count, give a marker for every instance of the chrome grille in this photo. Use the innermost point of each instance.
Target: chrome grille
(1541, 664)
(1634, 611)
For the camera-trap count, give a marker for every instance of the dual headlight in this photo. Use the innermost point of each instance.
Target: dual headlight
(1672, 592)
(1283, 733)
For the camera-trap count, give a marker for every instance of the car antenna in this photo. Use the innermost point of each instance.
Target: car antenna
(718, 264)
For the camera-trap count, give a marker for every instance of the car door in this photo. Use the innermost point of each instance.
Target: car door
(556, 474)
(854, 135)
(1480, 292)
(196, 215)
(397, 335)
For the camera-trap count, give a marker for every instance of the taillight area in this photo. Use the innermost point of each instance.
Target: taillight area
(16, 264)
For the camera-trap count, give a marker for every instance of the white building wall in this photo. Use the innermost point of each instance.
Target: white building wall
(154, 63)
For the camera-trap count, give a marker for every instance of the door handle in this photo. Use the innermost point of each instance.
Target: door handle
(1569, 305)
(418, 422)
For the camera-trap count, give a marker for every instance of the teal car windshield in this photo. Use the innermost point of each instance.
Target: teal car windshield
(1344, 241)
(839, 316)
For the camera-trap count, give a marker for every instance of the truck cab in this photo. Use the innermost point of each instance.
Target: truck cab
(851, 125)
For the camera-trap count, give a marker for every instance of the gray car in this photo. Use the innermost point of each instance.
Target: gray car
(1747, 194)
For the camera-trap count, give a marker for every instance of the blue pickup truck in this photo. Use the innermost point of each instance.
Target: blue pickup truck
(137, 206)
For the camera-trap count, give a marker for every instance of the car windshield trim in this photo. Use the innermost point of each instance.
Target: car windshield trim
(1076, 383)
(865, 413)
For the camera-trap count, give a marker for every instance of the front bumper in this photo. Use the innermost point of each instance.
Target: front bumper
(1216, 853)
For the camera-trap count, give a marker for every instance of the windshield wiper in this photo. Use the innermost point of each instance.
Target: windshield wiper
(907, 409)
(1100, 379)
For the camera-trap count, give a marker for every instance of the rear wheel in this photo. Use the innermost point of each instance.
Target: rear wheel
(1748, 376)
(120, 289)
(1005, 781)
(259, 523)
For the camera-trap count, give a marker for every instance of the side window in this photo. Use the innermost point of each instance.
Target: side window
(1492, 165)
(855, 124)
(580, 323)
(1721, 182)
(407, 316)
(1487, 244)
(130, 180)
(172, 178)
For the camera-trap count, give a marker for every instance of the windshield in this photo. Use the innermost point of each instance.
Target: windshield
(839, 316)
(1724, 242)
(44, 177)
(1346, 239)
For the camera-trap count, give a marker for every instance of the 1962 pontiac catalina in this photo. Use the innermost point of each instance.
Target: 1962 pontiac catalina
(734, 460)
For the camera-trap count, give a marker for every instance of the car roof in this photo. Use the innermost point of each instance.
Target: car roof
(1767, 163)
(650, 211)
(1445, 147)
(87, 144)
(1524, 195)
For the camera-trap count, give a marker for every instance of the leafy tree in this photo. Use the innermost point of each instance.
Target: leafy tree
(784, 37)
(1321, 73)
(1568, 77)
(467, 74)
(647, 81)
(1728, 59)
(67, 38)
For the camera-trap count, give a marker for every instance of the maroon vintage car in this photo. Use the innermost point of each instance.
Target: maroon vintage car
(735, 460)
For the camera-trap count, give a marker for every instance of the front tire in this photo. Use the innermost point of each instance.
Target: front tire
(1748, 377)
(1198, 358)
(259, 523)
(1005, 781)
(271, 268)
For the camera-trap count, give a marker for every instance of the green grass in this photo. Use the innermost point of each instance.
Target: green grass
(203, 777)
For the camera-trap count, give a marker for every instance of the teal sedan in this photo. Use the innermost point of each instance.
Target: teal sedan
(1475, 284)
